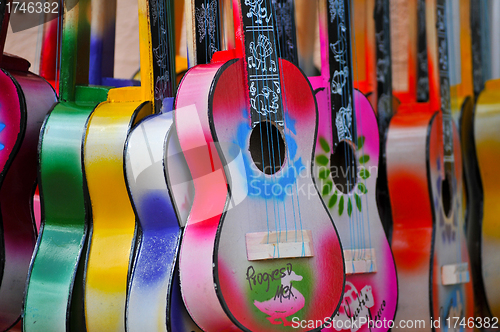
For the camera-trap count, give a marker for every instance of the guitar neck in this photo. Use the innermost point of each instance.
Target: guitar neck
(477, 27)
(258, 46)
(422, 61)
(341, 77)
(287, 34)
(444, 80)
(204, 30)
(161, 18)
(383, 54)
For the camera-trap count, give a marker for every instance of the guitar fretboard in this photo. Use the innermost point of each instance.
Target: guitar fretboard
(383, 52)
(262, 62)
(208, 41)
(163, 46)
(444, 80)
(287, 36)
(422, 63)
(340, 61)
(476, 40)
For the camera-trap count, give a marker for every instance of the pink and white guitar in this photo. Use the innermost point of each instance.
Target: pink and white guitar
(259, 251)
(346, 164)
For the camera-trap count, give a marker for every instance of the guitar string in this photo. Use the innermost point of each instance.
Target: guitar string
(245, 63)
(272, 34)
(452, 56)
(270, 142)
(293, 168)
(361, 152)
(289, 165)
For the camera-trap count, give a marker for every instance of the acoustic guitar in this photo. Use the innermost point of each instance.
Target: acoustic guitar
(346, 160)
(113, 240)
(154, 302)
(423, 153)
(58, 305)
(483, 147)
(25, 100)
(252, 258)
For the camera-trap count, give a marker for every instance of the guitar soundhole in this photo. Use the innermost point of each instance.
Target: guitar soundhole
(267, 147)
(446, 195)
(343, 168)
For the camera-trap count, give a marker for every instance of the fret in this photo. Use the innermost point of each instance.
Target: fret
(262, 62)
(340, 61)
(444, 80)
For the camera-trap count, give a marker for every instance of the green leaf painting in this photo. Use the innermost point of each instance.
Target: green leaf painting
(324, 145)
(331, 196)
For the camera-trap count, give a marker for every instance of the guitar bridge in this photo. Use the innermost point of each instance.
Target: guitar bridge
(453, 274)
(360, 261)
(275, 245)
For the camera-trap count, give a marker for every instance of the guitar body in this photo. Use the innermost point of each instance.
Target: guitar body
(13, 116)
(198, 240)
(357, 213)
(300, 289)
(113, 231)
(57, 306)
(412, 214)
(450, 244)
(424, 238)
(31, 99)
(154, 286)
(487, 144)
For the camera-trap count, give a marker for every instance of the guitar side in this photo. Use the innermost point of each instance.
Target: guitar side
(113, 229)
(487, 143)
(412, 213)
(198, 239)
(65, 217)
(36, 98)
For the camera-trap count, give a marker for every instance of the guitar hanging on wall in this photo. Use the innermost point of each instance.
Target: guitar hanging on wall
(257, 133)
(346, 161)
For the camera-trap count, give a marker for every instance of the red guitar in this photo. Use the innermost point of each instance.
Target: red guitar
(424, 156)
(259, 251)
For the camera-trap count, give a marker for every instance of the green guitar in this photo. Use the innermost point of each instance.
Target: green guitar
(54, 294)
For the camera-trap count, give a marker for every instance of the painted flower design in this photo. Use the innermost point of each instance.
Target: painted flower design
(331, 195)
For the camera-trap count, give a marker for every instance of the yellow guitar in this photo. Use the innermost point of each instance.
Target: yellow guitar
(113, 221)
